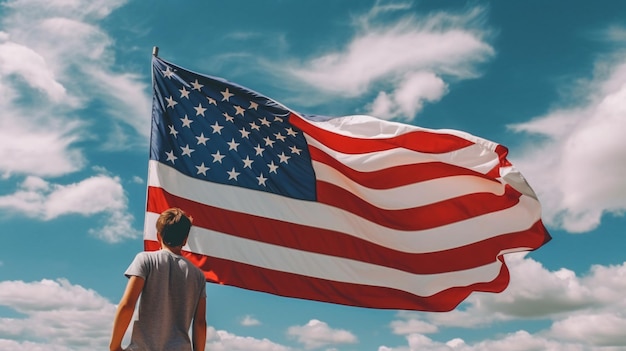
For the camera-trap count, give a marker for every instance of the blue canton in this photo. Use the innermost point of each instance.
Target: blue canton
(216, 131)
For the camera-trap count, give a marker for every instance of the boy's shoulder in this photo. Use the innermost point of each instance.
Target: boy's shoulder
(146, 254)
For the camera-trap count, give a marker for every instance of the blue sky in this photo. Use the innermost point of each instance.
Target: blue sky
(546, 79)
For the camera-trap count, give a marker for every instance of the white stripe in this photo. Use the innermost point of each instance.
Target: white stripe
(411, 195)
(279, 258)
(368, 127)
(517, 218)
(474, 157)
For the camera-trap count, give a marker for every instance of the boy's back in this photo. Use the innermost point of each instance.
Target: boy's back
(172, 288)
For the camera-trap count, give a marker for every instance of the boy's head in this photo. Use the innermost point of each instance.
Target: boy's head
(173, 225)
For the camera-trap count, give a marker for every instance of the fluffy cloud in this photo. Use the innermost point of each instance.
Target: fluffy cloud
(249, 321)
(220, 340)
(577, 165)
(517, 341)
(410, 57)
(40, 199)
(54, 315)
(602, 329)
(586, 311)
(316, 334)
(56, 63)
(409, 96)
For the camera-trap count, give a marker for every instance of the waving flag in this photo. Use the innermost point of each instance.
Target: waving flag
(350, 210)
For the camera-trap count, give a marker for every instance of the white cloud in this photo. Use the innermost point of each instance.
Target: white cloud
(316, 334)
(220, 340)
(100, 194)
(55, 61)
(25, 128)
(409, 97)
(117, 227)
(577, 167)
(138, 180)
(42, 149)
(604, 329)
(411, 324)
(55, 315)
(249, 321)
(586, 311)
(20, 61)
(517, 341)
(535, 292)
(72, 8)
(522, 340)
(411, 57)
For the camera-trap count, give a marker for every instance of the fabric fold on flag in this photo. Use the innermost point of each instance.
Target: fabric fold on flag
(351, 210)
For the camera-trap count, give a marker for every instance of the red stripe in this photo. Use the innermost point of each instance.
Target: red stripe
(502, 152)
(420, 141)
(418, 218)
(395, 176)
(293, 285)
(317, 240)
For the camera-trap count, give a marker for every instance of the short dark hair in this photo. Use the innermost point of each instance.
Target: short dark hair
(174, 225)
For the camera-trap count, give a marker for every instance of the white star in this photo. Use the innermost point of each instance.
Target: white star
(232, 145)
(173, 131)
(272, 167)
(168, 72)
(217, 128)
(202, 139)
(200, 110)
(239, 110)
(291, 132)
(269, 142)
(197, 86)
(278, 119)
(253, 105)
(232, 174)
(247, 162)
(184, 93)
(186, 122)
(284, 158)
(294, 150)
(261, 179)
(280, 136)
(265, 122)
(170, 102)
(170, 156)
(259, 150)
(187, 151)
(228, 117)
(226, 95)
(244, 133)
(211, 101)
(254, 126)
(202, 169)
(217, 157)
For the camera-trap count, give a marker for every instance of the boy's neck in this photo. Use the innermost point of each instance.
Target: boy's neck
(176, 250)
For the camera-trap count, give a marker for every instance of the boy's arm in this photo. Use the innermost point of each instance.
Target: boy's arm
(125, 311)
(199, 326)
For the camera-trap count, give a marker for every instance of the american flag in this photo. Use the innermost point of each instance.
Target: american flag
(351, 210)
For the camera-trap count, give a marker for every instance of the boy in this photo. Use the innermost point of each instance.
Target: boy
(173, 294)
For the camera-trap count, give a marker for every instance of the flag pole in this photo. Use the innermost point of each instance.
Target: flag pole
(155, 51)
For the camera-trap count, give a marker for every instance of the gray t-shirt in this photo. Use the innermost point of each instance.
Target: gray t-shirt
(168, 302)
